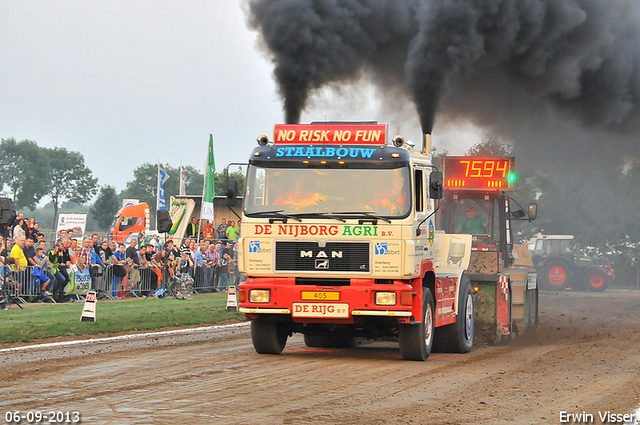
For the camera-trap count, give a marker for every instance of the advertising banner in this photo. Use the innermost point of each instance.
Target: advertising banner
(79, 283)
(74, 222)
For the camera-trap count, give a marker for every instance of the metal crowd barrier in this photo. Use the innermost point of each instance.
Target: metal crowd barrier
(25, 285)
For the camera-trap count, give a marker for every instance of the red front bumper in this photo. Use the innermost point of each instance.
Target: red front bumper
(356, 299)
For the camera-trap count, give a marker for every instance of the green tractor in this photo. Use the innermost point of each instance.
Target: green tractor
(560, 265)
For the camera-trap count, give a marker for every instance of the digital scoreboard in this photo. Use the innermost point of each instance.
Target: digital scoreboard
(478, 173)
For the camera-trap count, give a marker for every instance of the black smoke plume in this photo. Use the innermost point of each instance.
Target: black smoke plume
(492, 61)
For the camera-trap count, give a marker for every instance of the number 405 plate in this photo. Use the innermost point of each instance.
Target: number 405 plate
(320, 296)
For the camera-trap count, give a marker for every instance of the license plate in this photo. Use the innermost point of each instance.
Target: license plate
(320, 310)
(317, 296)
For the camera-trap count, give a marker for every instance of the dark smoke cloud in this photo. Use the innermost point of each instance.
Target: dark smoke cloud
(491, 61)
(315, 43)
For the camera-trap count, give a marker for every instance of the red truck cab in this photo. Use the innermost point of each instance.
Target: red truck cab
(130, 219)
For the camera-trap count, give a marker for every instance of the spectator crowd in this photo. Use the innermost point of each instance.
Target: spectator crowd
(39, 270)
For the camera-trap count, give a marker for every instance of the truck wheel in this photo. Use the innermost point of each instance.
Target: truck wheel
(267, 336)
(556, 276)
(416, 340)
(458, 337)
(595, 280)
(328, 341)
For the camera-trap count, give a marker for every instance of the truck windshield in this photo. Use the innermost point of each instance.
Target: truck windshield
(553, 246)
(383, 192)
(127, 222)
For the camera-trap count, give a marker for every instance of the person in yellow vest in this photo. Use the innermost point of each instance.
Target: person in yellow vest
(192, 228)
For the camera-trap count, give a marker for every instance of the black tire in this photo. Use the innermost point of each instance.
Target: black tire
(416, 340)
(595, 280)
(458, 337)
(268, 336)
(328, 341)
(551, 275)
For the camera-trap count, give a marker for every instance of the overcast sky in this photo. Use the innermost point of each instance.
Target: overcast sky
(128, 82)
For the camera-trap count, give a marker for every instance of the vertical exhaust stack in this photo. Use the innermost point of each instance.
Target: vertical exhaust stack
(426, 144)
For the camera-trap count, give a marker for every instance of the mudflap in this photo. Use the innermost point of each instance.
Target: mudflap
(502, 307)
(492, 308)
(484, 301)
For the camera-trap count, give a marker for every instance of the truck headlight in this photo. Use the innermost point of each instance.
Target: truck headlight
(259, 296)
(385, 298)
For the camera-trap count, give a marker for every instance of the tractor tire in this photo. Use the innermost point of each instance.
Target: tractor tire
(268, 336)
(595, 280)
(555, 275)
(458, 337)
(328, 341)
(416, 340)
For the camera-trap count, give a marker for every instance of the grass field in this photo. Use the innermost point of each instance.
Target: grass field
(39, 321)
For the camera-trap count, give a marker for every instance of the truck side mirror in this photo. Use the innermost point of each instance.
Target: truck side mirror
(435, 185)
(232, 192)
(533, 211)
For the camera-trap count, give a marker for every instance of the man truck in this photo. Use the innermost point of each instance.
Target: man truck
(339, 241)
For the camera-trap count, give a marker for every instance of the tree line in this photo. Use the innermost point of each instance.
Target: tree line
(30, 173)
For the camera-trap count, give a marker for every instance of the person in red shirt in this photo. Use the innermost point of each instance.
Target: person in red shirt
(207, 231)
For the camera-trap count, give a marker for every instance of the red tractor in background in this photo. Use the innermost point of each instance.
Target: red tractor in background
(560, 264)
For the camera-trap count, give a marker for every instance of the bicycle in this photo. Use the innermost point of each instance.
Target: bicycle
(185, 285)
(8, 293)
(178, 288)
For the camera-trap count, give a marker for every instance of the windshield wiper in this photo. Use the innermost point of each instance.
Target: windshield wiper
(277, 213)
(320, 214)
(362, 213)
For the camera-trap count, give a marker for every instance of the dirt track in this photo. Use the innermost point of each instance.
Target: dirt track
(586, 359)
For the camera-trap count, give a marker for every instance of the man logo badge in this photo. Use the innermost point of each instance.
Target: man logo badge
(321, 254)
(322, 264)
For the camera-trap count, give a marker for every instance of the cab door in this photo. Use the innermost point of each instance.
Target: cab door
(421, 202)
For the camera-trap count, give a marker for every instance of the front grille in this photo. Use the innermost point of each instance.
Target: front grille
(351, 257)
(318, 281)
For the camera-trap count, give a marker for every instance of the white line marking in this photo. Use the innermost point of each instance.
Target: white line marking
(122, 337)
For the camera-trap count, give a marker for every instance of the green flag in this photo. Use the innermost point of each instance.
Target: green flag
(209, 185)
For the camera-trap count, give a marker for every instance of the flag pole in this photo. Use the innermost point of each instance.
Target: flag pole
(158, 188)
(204, 187)
(182, 189)
(204, 182)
